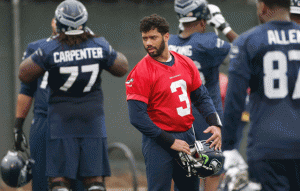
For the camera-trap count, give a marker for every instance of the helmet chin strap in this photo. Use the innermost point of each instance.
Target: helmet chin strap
(194, 132)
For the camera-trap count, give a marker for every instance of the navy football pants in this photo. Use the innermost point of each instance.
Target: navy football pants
(77, 157)
(161, 166)
(37, 142)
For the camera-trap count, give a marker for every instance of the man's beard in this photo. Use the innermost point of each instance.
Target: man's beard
(159, 51)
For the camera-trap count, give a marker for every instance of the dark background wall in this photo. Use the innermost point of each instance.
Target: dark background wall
(118, 22)
(6, 77)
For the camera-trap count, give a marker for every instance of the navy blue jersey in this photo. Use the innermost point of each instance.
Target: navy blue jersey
(266, 59)
(207, 51)
(76, 98)
(38, 88)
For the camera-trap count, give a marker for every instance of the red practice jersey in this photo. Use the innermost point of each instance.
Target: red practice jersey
(223, 86)
(166, 90)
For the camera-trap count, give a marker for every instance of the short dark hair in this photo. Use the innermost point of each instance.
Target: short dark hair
(277, 3)
(154, 21)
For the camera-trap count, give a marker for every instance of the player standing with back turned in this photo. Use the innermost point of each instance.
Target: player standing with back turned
(39, 131)
(75, 59)
(267, 59)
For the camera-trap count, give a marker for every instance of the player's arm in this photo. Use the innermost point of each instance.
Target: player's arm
(25, 98)
(204, 104)
(120, 65)
(234, 106)
(218, 22)
(24, 102)
(29, 70)
(215, 94)
(23, 106)
(239, 71)
(140, 119)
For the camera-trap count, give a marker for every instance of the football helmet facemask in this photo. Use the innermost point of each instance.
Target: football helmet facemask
(203, 161)
(16, 168)
(71, 17)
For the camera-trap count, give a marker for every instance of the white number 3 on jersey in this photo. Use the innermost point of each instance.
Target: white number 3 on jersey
(182, 97)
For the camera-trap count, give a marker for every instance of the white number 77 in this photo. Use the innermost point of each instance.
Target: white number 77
(73, 71)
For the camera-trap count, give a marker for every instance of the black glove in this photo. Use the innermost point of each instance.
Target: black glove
(19, 136)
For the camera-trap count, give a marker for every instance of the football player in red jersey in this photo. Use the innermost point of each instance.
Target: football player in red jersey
(160, 90)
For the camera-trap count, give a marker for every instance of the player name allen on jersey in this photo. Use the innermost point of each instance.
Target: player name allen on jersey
(79, 54)
(280, 37)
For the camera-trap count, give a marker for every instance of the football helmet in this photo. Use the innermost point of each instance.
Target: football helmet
(16, 168)
(295, 6)
(191, 10)
(203, 161)
(71, 17)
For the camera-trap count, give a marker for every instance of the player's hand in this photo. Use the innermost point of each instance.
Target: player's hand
(235, 179)
(234, 159)
(216, 137)
(236, 168)
(217, 20)
(19, 140)
(180, 145)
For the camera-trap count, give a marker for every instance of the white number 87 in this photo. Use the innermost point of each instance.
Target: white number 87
(271, 74)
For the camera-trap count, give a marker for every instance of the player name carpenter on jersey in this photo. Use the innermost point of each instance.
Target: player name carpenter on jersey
(79, 54)
(280, 37)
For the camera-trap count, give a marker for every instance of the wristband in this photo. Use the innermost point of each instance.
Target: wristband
(225, 28)
(165, 139)
(19, 124)
(214, 120)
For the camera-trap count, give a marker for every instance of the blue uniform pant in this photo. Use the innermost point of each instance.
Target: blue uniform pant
(161, 166)
(37, 141)
(77, 157)
(276, 174)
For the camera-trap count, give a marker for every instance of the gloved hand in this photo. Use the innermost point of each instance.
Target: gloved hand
(234, 159)
(217, 20)
(234, 179)
(236, 175)
(19, 136)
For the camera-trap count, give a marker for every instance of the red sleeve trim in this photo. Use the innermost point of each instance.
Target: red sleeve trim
(137, 97)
